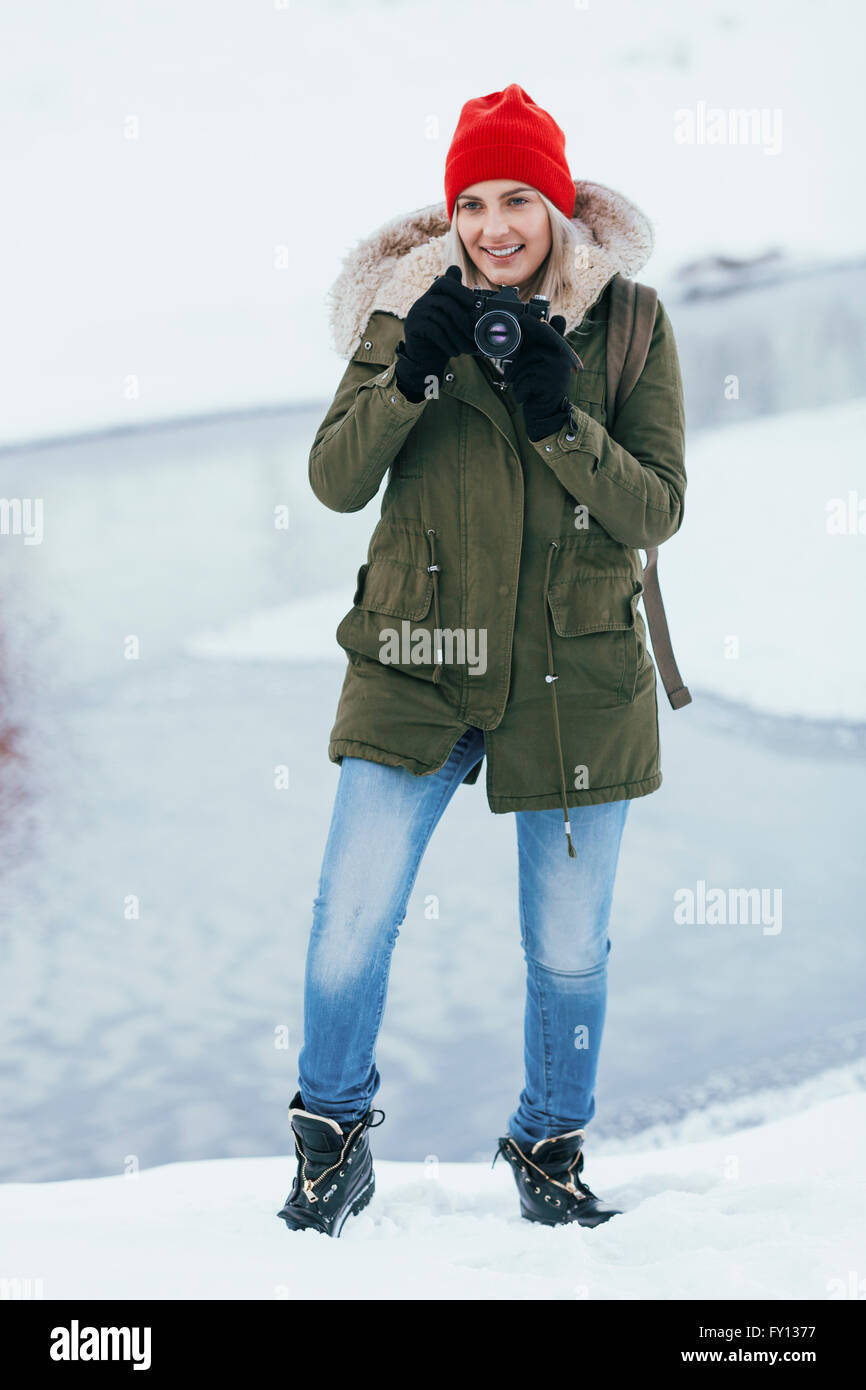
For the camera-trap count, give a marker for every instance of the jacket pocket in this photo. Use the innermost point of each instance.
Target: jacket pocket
(390, 586)
(592, 603)
(599, 611)
(387, 589)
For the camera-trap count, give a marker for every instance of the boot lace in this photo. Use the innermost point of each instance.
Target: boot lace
(351, 1143)
(577, 1190)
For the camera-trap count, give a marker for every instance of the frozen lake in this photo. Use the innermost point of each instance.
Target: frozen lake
(151, 781)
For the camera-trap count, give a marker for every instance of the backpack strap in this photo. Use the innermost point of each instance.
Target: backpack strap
(630, 321)
(677, 693)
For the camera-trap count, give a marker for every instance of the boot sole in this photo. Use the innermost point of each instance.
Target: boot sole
(359, 1204)
(299, 1223)
(575, 1221)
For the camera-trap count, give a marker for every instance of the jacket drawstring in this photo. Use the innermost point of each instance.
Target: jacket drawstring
(551, 680)
(433, 569)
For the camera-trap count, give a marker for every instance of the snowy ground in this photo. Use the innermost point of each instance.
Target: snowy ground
(770, 1212)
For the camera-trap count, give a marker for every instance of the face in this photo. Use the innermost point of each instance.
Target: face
(503, 215)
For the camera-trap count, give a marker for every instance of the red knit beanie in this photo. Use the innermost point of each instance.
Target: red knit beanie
(506, 136)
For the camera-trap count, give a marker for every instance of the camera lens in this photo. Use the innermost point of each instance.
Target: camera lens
(497, 334)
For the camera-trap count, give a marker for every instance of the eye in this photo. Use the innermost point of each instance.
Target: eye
(472, 203)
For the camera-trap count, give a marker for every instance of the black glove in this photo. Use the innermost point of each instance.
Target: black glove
(539, 375)
(439, 325)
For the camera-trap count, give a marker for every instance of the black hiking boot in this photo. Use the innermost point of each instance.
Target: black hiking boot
(549, 1184)
(335, 1170)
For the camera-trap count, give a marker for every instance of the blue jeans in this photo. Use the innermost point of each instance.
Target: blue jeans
(382, 821)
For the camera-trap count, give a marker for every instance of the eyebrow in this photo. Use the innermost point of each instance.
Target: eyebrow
(524, 188)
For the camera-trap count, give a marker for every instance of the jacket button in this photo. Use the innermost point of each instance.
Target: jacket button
(368, 346)
(548, 448)
(393, 400)
(449, 376)
(569, 437)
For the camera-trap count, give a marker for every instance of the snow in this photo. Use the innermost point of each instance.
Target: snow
(184, 180)
(179, 204)
(301, 630)
(763, 585)
(762, 594)
(772, 1211)
(154, 777)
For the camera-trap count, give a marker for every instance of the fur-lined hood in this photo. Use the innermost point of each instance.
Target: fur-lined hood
(389, 269)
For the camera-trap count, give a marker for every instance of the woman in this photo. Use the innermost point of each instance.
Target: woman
(496, 614)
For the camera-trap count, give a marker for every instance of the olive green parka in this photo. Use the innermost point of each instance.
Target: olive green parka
(501, 583)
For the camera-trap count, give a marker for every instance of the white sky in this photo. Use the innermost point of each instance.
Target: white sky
(154, 260)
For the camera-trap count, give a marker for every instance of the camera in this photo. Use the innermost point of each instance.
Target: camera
(497, 327)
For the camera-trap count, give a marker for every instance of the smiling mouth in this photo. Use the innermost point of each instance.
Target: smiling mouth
(502, 253)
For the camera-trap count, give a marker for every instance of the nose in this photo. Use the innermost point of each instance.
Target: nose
(495, 227)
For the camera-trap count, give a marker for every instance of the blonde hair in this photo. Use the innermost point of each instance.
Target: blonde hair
(552, 275)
